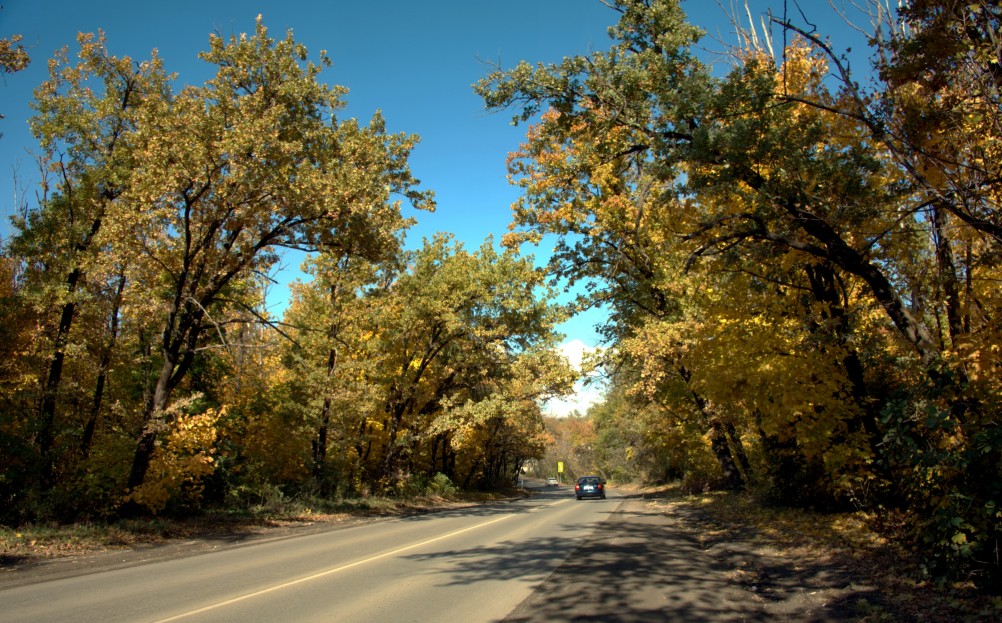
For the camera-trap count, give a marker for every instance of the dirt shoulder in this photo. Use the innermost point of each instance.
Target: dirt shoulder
(799, 565)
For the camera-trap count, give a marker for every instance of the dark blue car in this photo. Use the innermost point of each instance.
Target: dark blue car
(589, 487)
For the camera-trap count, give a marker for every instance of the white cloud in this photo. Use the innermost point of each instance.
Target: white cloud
(580, 401)
(574, 351)
(583, 396)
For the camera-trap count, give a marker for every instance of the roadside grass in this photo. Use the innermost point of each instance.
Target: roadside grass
(26, 543)
(869, 547)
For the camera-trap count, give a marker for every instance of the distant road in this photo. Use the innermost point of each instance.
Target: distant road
(473, 564)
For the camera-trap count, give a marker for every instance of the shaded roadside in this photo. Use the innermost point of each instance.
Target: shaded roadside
(651, 563)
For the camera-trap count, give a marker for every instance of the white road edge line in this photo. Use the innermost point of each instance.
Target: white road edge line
(328, 572)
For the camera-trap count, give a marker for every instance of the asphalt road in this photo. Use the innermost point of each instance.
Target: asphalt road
(544, 559)
(474, 564)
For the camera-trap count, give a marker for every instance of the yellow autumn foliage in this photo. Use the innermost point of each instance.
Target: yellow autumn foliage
(181, 462)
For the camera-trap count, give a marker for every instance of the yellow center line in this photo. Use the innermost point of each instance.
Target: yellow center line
(328, 572)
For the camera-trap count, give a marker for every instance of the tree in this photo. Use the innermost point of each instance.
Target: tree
(158, 214)
(939, 104)
(462, 338)
(330, 322)
(85, 117)
(615, 220)
(252, 161)
(704, 136)
(423, 363)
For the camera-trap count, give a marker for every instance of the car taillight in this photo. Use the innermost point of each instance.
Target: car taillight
(577, 487)
(599, 487)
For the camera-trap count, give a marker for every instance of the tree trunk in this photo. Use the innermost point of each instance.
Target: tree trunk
(320, 443)
(738, 448)
(178, 354)
(718, 437)
(433, 459)
(147, 439)
(721, 449)
(53, 378)
(390, 456)
(948, 273)
(826, 288)
(88, 436)
(54, 375)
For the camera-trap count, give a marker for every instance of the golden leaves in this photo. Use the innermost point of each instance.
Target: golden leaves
(13, 56)
(181, 462)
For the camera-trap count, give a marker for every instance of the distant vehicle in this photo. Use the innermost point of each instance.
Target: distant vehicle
(589, 487)
(551, 482)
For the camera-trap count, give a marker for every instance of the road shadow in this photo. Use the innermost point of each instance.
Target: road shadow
(644, 565)
(652, 566)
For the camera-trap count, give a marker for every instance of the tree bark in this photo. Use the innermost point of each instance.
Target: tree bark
(53, 378)
(738, 448)
(320, 443)
(106, 352)
(178, 348)
(718, 443)
(948, 273)
(718, 438)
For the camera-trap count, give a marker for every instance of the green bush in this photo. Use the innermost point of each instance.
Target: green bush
(442, 485)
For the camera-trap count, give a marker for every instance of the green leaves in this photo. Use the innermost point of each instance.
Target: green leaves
(450, 350)
(163, 209)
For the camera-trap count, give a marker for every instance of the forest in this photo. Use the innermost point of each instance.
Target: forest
(801, 267)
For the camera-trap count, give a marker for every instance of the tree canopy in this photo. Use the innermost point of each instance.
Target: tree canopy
(801, 270)
(143, 370)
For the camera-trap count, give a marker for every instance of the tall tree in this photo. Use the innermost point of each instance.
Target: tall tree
(330, 321)
(706, 135)
(86, 114)
(252, 161)
(460, 340)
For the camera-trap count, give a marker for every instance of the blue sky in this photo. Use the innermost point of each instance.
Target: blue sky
(415, 61)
